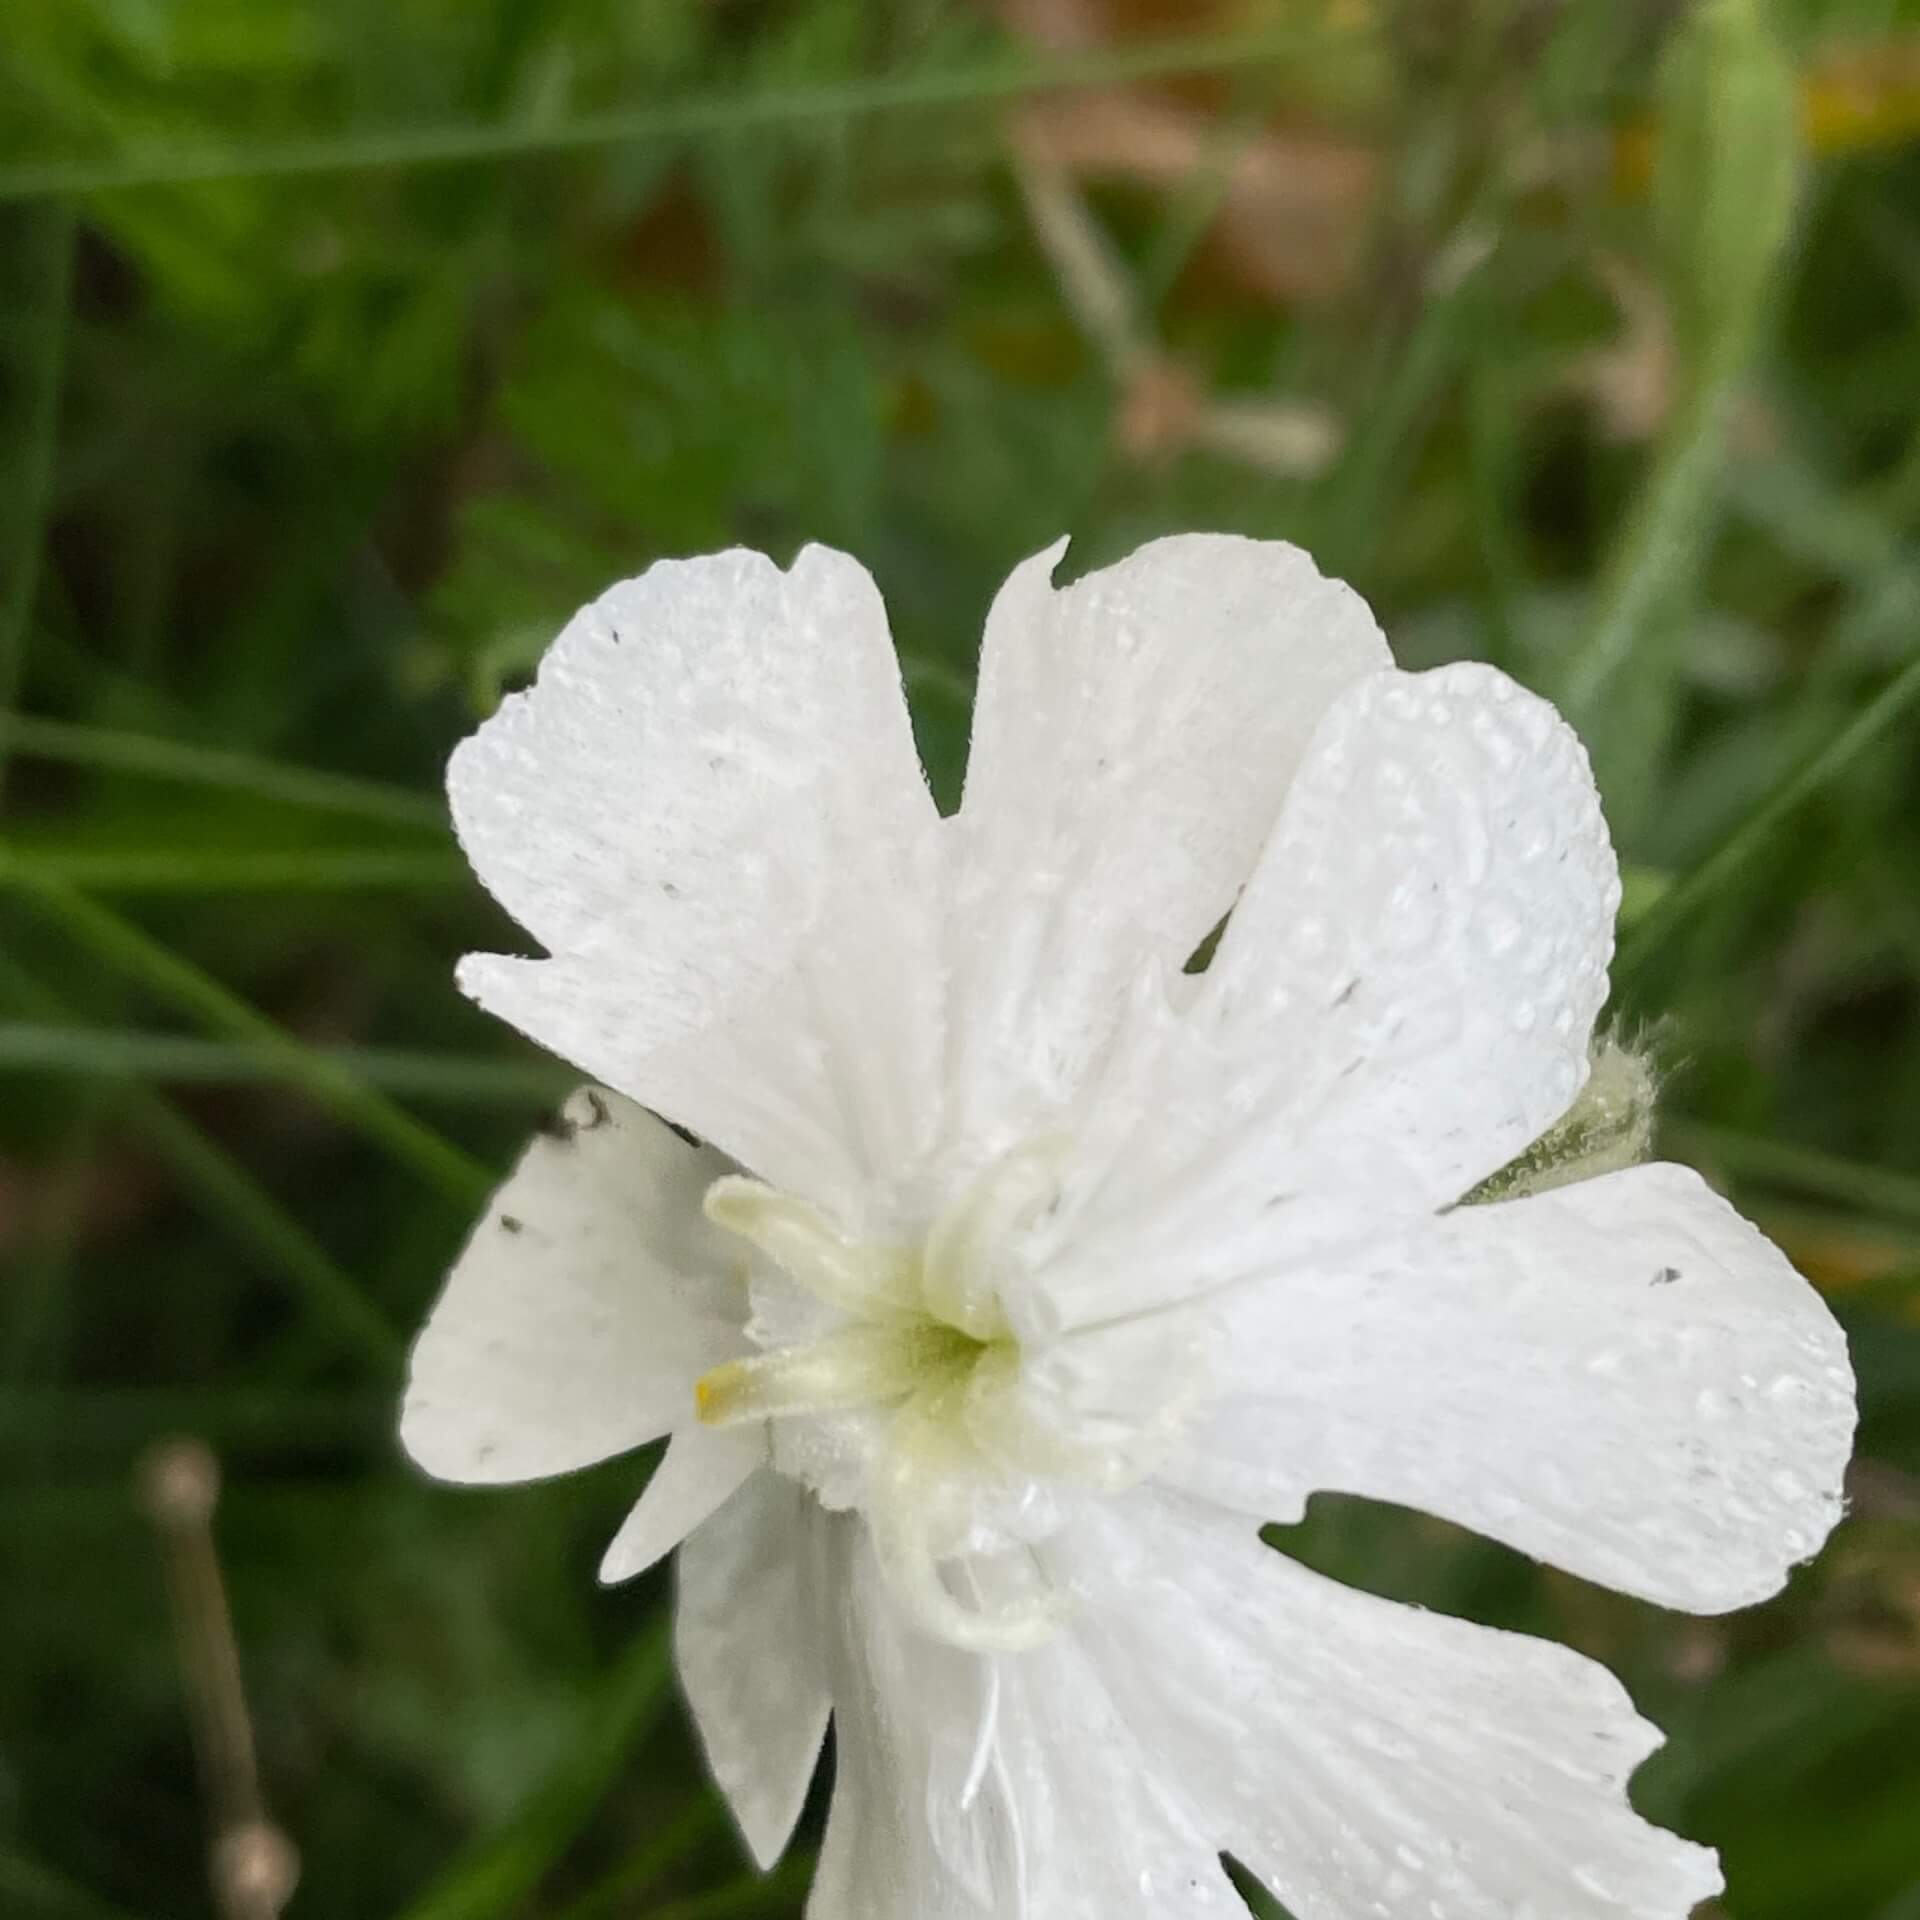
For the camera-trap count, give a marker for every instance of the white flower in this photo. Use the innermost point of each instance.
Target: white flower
(1023, 1273)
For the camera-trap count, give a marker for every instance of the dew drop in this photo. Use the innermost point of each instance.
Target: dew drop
(1382, 1740)
(1309, 935)
(1591, 1880)
(1499, 932)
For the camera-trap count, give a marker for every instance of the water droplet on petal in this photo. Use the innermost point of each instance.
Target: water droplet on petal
(1383, 1741)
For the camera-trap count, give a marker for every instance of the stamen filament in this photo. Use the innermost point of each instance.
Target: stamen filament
(959, 1279)
(903, 1540)
(874, 1282)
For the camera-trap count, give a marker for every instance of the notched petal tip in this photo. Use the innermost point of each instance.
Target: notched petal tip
(481, 976)
(815, 558)
(1053, 554)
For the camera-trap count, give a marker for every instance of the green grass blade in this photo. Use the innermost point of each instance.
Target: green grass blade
(1658, 545)
(1724, 193)
(231, 1195)
(618, 1894)
(168, 870)
(1374, 461)
(495, 1880)
(37, 1300)
(335, 1087)
(110, 750)
(781, 1891)
(226, 1189)
(30, 1891)
(1821, 767)
(35, 291)
(1007, 77)
(117, 1422)
(119, 1053)
(1874, 1190)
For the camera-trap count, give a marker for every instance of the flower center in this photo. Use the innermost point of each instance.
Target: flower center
(864, 1363)
(917, 1337)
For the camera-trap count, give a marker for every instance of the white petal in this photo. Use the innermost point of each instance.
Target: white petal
(1401, 1002)
(762, 1082)
(749, 1637)
(709, 809)
(907, 1715)
(1108, 1836)
(702, 1468)
(591, 1296)
(1132, 736)
(1621, 1377)
(688, 733)
(992, 1785)
(1365, 1758)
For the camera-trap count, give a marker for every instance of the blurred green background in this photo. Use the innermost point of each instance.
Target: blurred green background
(347, 345)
